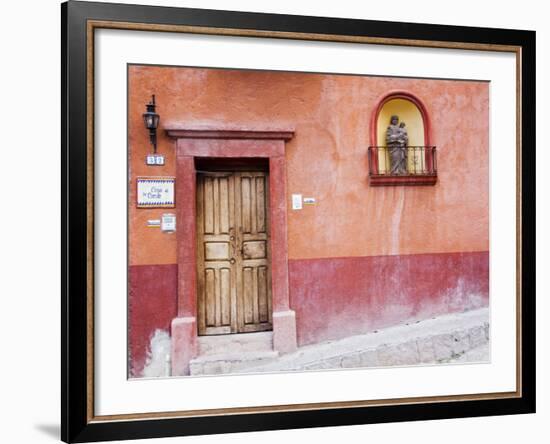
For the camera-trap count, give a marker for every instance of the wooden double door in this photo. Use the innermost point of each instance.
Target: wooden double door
(233, 252)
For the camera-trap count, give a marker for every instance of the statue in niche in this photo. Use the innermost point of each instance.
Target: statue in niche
(397, 140)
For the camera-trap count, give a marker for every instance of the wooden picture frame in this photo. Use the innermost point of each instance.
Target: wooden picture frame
(80, 20)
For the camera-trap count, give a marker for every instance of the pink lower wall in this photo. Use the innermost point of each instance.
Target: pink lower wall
(338, 297)
(332, 297)
(152, 299)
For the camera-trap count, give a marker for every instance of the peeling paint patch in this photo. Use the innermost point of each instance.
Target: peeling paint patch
(464, 297)
(158, 355)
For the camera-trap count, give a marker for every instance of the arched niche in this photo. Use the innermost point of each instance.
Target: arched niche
(411, 110)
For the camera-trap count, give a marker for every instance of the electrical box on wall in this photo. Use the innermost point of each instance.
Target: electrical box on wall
(168, 223)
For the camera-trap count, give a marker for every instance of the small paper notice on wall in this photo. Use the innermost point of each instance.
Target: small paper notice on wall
(296, 201)
(309, 201)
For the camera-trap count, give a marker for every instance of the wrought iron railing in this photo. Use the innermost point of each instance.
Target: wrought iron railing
(413, 161)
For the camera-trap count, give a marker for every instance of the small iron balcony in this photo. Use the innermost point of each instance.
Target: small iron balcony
(411, 165)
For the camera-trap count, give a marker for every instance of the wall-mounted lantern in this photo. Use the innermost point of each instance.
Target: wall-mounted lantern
(151, 119)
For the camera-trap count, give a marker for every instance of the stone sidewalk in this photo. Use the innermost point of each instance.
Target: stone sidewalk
(452, 338)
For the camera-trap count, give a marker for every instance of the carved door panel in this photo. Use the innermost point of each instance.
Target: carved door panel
(216, 280)
(253, 274)
(234, 279)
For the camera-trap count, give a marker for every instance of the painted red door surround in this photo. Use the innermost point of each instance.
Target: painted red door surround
(240, 142)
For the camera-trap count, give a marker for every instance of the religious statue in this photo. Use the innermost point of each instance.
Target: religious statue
(397, 140)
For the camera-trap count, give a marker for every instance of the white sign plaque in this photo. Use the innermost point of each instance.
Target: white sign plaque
(155, 192)
(296, 201)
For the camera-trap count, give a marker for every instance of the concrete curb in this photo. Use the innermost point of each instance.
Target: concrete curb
(432, 341)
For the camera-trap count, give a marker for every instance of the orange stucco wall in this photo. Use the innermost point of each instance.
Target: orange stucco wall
(327, 158)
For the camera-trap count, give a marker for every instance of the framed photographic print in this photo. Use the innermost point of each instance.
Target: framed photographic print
(276, 221)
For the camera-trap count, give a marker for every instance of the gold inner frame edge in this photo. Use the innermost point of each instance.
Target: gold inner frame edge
(92, 25)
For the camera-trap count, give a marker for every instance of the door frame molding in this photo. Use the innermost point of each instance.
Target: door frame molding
(223, 142)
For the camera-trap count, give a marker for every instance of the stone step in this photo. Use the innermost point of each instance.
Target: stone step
(215, 364)
(236, 343)
(444, 339)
